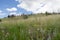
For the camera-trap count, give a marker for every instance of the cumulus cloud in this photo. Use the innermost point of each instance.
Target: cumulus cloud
(11, 9)
(1, 13)
(37, 6)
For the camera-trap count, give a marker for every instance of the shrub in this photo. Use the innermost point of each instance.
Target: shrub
(25, 16)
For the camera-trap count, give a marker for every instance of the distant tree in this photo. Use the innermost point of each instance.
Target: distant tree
(46, 13)
(0, 20)
(10, 16)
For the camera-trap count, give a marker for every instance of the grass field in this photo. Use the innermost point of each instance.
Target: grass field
(33, 28)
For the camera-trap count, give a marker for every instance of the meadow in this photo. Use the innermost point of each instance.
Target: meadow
(35, 27)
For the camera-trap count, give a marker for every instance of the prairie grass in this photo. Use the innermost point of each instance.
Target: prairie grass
(33, 28)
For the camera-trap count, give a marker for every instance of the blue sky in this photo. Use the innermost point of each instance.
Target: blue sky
(17, 7)
(6, 4)
(9, 4)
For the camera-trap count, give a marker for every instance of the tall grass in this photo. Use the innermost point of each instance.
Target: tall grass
(34, 28)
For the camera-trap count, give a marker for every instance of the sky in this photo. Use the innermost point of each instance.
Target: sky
(18, 7)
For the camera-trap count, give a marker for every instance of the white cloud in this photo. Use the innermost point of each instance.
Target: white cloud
(11, 9)
(37, 6)
(1, 13)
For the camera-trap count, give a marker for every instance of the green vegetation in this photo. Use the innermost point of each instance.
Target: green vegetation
(25, 16)
(36, 27)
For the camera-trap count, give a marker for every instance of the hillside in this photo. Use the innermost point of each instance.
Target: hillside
(35, 27)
